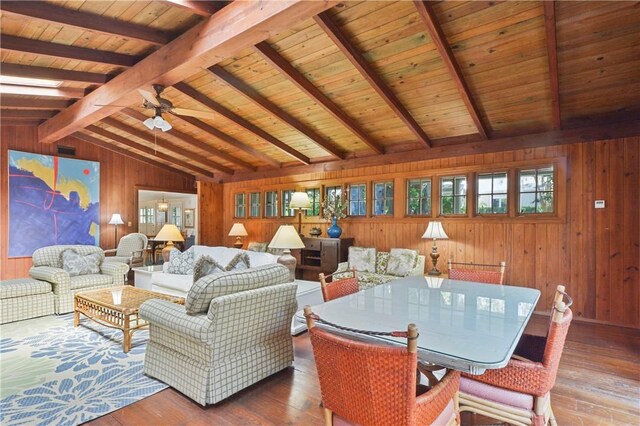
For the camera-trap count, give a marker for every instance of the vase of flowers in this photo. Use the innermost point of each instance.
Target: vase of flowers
(334, 208)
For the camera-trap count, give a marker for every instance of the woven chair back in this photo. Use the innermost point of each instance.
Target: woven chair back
(490, 274)
(363, 383)
(339, 288)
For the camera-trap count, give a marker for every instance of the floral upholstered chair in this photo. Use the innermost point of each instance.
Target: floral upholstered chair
(73, 268)
(132, 250)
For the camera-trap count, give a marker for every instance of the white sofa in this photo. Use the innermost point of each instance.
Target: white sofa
(179, 285)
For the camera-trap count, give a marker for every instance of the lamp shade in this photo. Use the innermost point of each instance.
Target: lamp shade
(286, 238)
(300, 200)
(116, 219)
(169, 232)
(238, 230)
(435, 231)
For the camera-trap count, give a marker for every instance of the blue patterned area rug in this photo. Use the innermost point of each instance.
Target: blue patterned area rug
(54, 374)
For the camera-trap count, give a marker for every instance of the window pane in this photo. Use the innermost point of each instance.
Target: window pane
(500, 183)
(484, 184)
(527, 202)
(484, 203)
(545, 180)
(460, 205)
(500, 203)
(461, 186)
(447, 187)
(546, 202)
(378, 207)
(527, 181)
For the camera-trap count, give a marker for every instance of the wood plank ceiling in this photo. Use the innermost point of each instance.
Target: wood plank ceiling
(310, 82)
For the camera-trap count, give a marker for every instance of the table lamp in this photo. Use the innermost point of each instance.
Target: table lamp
(435, 231)
(300, 201)
(116, 220)
(168, 233)
(287, 238)
(238, 230)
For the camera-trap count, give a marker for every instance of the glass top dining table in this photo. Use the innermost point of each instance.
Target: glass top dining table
(462, 325)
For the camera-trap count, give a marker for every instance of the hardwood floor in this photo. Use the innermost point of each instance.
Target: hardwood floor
(598, 384)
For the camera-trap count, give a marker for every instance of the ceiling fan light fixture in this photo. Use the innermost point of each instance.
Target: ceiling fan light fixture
(158, 121)
(166, 126)
(149, 123)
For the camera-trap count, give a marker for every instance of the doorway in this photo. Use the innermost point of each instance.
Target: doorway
(155, 208)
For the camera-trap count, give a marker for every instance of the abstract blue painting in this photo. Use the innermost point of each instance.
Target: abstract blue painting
(52, 200)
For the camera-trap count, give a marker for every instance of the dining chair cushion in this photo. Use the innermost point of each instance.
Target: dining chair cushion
(496, 394)
(181, 262)
(401, 261)
(362, 259)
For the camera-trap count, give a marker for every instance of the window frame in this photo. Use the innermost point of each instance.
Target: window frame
(374, 199)
(407, 198)
(236, 205)
(554, 191)
(477, 194)
(441, 197)
(283, 207)
(363, 201)
(274, 204)
(259, 205)
(314, 200)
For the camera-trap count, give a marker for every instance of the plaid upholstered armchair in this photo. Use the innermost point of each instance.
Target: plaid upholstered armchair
(132, 250)
(48, 266)
(233, 331)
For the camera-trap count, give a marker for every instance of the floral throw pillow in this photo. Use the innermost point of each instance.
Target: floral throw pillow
(362, 259)
(206, 265)
(382, 260)
(181, 262)
(76, 264)
(401, 262)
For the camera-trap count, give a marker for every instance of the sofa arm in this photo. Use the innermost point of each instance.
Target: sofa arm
(115, 269)
(173, 316)
(58, 278)
(419, 269)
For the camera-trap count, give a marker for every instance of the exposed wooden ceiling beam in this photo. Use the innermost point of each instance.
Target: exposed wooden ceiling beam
(166, 144)
(236, 26)
(105, 145)
(269, 54)
(440, 40)
(54, 92)
(231, 142)
(447, 150)
(213, 105)
(374, 80)
(28, 103)
(552, 57)
(18, 70)
(148, 151)
(202, 8)
(250, 93)
(61, 15)
(18, 44)
(196, 143)
(27, 114)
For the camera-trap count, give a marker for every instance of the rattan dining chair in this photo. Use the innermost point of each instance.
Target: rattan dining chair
(338, 288)
(481, 273)
(520, 392)
(371, 384)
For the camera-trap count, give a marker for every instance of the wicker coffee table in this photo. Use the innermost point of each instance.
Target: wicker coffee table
(99, 306)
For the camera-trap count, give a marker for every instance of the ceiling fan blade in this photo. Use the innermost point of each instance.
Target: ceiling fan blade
(148, 96)
(193, 113)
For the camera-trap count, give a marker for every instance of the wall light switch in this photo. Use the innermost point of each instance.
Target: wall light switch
(599, 204)
(129, 223)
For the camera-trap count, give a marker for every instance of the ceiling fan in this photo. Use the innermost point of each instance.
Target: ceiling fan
(160, 105)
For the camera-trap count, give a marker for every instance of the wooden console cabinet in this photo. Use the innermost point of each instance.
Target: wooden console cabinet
(321, 255)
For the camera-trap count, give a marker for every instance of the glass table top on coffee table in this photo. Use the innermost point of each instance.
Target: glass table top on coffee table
(463, 325)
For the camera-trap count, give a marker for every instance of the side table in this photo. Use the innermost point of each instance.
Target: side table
(143, 276)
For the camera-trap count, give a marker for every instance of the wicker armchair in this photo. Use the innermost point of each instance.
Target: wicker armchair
(520, 392)
(369, 384)
(132, 250)
(338, 288)
(490, 274)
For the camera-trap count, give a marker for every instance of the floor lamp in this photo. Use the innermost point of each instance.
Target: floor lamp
(300, 201)
(116, 220)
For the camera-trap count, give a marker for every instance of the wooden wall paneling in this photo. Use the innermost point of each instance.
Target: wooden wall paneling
(631, 226)
(603, 234)
(119, 176)
(210, 206)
